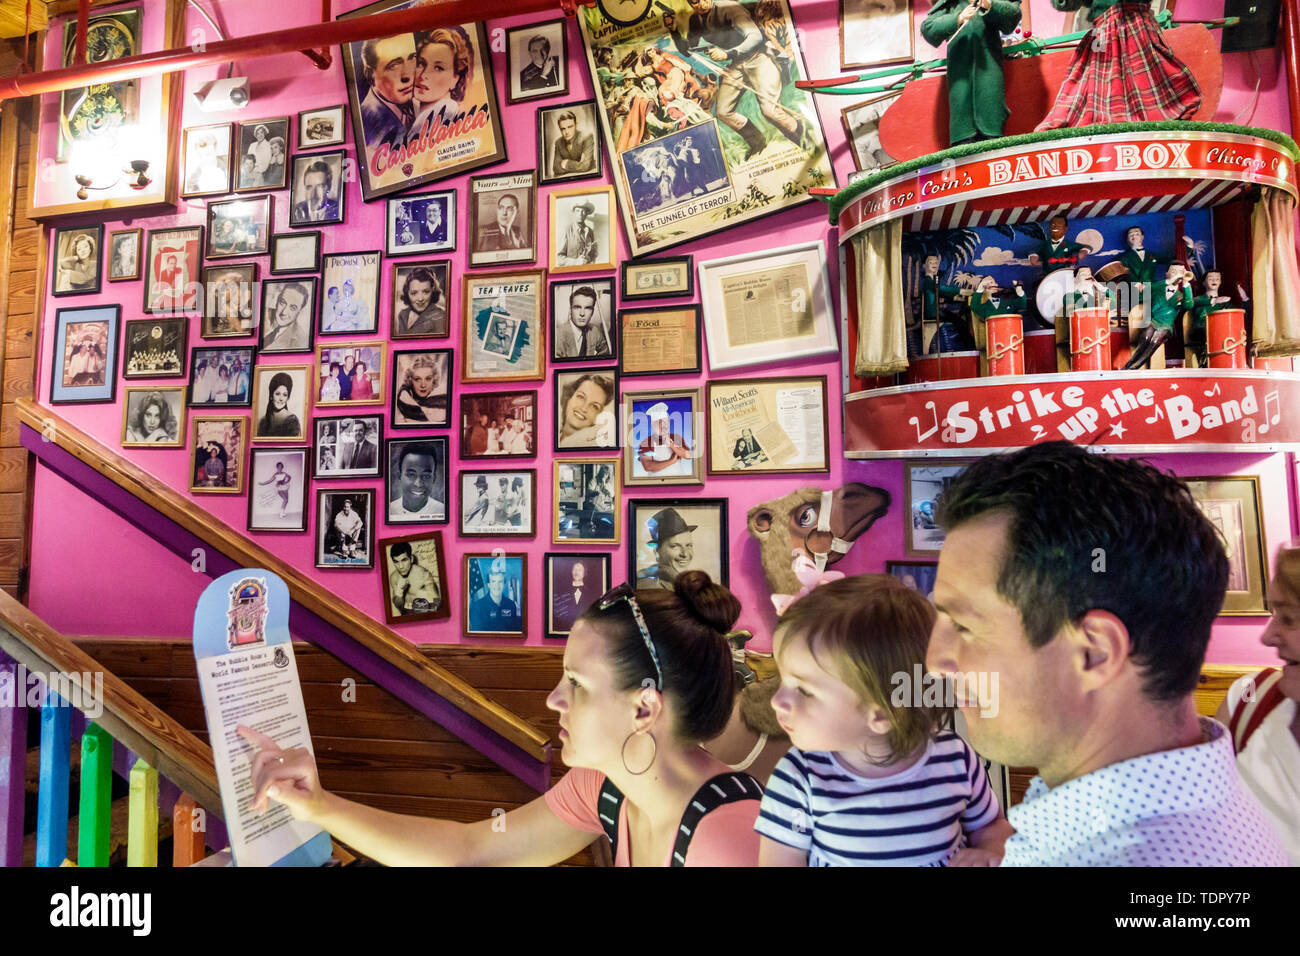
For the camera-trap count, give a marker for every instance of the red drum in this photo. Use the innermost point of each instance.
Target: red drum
(1040, 352)
(1226, 338)
(1281, 363)
(1090, 340)
(1006, 344)
(942, 368)
(1119, 348)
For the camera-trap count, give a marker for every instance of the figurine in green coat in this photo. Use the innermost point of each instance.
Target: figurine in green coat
(977, 102)
(1138, 260)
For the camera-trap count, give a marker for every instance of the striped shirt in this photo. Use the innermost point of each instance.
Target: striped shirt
(919, 817)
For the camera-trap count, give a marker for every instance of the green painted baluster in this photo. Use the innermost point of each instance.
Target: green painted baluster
(96, 797)
(142, 825)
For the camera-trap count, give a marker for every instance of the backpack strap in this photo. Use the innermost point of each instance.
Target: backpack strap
(608, 806)
(1261, 696)
(720, 790)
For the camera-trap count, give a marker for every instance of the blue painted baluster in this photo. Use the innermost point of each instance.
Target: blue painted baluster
(52, 802)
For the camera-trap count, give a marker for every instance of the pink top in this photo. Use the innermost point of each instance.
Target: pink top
(725, 837)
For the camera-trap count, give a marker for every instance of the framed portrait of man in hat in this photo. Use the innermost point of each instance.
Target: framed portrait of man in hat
(582, 237)
(676, 535)
(663, 438)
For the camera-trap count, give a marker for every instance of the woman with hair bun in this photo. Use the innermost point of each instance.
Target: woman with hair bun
(648, 677)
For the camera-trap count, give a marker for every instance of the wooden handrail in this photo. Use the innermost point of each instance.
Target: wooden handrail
(140, 726)
(379, 640)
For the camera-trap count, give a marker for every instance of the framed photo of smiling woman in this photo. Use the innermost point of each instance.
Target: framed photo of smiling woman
(586, 403)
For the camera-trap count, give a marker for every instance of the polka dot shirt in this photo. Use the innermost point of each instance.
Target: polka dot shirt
(1184, 807)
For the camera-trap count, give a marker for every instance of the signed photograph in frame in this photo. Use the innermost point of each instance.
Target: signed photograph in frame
(155, 348)
(414, 578)
(496, 595)
(277, 489)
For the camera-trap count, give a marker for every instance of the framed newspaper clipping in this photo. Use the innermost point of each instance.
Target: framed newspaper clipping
(724, 138)
(767, 306)
(414, 122)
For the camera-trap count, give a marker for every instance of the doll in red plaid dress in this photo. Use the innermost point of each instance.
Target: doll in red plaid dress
(1122, 71)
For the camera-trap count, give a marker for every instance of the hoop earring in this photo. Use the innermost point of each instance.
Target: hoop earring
(623, 755)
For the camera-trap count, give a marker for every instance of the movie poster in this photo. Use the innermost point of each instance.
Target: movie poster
(416, 117)
(702, 118)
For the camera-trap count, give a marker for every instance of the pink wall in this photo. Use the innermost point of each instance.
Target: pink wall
(72, 592)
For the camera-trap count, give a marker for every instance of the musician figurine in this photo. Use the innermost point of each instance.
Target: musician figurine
(1086, 293)
(939, 332)
(989, 301)
(1057, 252)
(1194, 334)
(1168, 301)
(1138, 260)
(1122, 70)
(977, 102)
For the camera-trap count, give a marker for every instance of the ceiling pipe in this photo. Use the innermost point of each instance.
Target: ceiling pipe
(298, 39)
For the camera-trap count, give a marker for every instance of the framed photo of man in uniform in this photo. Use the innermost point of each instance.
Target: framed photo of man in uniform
(568, 143)
(574, 582)
(496, 595)
(502, 220)
(318, 192)
(415, 578)
(421, 300)
(537, 61)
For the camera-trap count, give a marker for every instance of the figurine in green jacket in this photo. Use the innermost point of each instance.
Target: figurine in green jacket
(1138, 260)
(1169, 300)
(977, 102)
(1205, 303)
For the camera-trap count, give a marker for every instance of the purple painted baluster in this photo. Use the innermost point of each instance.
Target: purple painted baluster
(13, 759)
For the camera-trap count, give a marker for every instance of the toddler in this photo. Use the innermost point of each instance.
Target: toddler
(873, 778)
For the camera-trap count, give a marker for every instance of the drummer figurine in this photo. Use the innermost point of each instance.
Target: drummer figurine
(938, 332)
(988, 301)
(1194, 332)
(1087, 293)
(1169, 300)
(977, 101)
(1058, 252)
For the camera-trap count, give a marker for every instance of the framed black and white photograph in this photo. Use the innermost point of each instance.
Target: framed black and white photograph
(671, 536)
(288, 314)
(537, 61)
(155, 348)
(351, 293)
(263, 150)
(417, 480)
(280, 403)
(923, 483)
(239, 227)
(582, 229)
(498, 503)
(85, 354)
(421, 300)
(228, 295)
(498, 425)
(415, 578)
(207, 160)
(154, 417)
(347, 446)
(421, 388)
(351, 374)
(663, 437)
(295, 252)
(582, 320)
(496, 595)
(345, 528)
(124, 249)
(277, 489)
(586, 410)
(317, 197)
(917, 575)
(221, 377)
(568, 142)
(862, 127)
(587, 501)
(1232, 505)
(574, 582)
(875, 32)
(420, 224)
(218, 447)
(321, 127)
(78, 260)
(502, 220)
(666, 277)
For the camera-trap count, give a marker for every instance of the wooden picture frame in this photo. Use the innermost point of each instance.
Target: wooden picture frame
(221, 430)
(408, 476)
(72, 271)
(140, 431)
(349, 314)
(489, 500)
(477, 440)
(220, 283)
(741, 294)
(408, 230)
(747, 434)
(326, 170)
(295, 252)
(363, 504)
(663, 277)
(578, 483)
(567, 339)
(575, 393)
(560, 614)
(1232, 504)
(302, 473)
(323, 126)
(127, 269)
(509, 345)
(861, 123)
(433, 321)
(146, 354)
(367, 352)
(424, 547)
(477, 620)
(413, 370)
(199, 393)
(556, 162)
(875, 37)
(83, 369)
(650, 338)
(495, 238)
(588, 243)
(328, 445)
(526, 80)
(644, 463)
(255, 211)
(294, 300)
(692, 550)
(202, 175)
(923, 480)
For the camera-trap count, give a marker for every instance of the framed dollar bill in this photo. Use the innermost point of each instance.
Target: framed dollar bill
(727, 139)
(767, 306)
(775, 425)
(414, 120)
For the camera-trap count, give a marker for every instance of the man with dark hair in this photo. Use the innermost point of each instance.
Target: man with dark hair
(317, 204)
(543, 71)
(582, 333)
(413, 492)
(505, 232)
(574, 152)
(1056, 251)
(410, 585)
(1088, 586)
(388, 66)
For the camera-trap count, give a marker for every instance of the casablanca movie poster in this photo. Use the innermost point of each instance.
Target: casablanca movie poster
(423, 105)
(702, 117)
